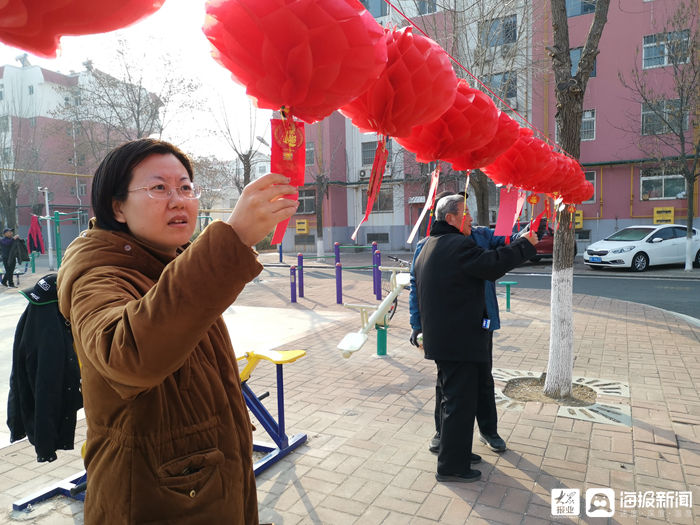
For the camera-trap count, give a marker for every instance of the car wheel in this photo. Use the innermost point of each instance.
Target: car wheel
(696, 263)
(640, 262)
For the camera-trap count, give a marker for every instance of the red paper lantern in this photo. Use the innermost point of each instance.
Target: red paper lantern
(416, 87)
(310, 56)
(507, 133)
(528, 162)
(37, 25)
(470, 123)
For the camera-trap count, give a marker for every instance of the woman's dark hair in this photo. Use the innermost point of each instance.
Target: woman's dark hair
(113, 176)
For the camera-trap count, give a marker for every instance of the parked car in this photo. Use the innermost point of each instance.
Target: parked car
(638, 247)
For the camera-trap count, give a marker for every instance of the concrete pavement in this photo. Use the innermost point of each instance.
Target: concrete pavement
(369, 419)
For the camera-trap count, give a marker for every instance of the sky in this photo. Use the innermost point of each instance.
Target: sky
(175, 27)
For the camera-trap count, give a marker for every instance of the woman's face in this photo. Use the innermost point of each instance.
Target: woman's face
(165, 224)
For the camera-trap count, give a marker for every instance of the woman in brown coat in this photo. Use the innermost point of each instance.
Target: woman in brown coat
(169, 438)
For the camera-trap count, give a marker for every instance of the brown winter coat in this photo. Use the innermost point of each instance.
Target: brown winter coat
(168, 434)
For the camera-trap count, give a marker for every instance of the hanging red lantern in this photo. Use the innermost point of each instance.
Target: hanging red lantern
(506, 135)
(416, 87)
(37, 25)
(470, 123)
(309, 56)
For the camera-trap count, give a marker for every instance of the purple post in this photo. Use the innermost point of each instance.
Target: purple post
(374, 272)
(279, 249)
(378, 255)
(338, 283)
(293, 282)
(336, 249)
(300, 261)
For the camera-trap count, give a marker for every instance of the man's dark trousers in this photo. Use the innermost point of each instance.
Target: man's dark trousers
(8, 276)
(486, 415)
(459, 385)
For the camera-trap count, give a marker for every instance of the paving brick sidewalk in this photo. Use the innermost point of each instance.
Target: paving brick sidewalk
(369, 420)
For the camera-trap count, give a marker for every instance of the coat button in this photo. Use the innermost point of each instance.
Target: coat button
(127, 247)
(193, 493)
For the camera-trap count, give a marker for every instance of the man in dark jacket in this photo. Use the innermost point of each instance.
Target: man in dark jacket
(450, 274)
(9, 258)
(486, 415)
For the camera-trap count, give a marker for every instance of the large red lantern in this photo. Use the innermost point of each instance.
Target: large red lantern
(416, 87)
(506, 135)
(309, 56)
(37, 25)
(471, 122)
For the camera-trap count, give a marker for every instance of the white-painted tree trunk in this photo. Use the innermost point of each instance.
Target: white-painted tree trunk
(689, 255)
(319, 247)
(561, 341)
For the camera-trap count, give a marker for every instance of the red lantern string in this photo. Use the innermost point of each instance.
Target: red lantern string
(375, 180)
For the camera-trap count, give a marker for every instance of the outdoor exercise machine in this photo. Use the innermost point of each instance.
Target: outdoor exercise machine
(378, 318)
(74, 486)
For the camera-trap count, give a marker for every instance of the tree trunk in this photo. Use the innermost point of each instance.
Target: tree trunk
(480, 185)
(558, 382)
(689, 254)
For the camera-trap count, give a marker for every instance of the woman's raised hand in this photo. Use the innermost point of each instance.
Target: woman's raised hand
(261, 206)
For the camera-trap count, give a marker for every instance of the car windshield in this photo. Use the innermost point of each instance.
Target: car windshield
(630, 234)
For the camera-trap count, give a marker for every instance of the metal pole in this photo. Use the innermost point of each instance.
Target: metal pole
(279, 248)
(336, 250)
(378, 255)
(293, 283)
(338, 283)
(49, 229)
(381, 339)
(300, 282)
(57, 229)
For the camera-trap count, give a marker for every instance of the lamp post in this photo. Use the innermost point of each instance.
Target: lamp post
(45, 191)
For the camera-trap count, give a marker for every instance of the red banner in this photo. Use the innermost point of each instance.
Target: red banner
(288, 157)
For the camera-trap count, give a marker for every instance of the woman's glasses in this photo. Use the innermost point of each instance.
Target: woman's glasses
(162, 191)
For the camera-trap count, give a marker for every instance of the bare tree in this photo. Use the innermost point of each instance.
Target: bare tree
(670, 113)
(569, 92)
(131, 102)
(216, 178)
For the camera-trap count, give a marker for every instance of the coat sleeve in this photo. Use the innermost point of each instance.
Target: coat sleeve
(494, 264)
(136, 342)
(413, 309)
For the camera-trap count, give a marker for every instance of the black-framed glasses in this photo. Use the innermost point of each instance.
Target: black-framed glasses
(162, 191)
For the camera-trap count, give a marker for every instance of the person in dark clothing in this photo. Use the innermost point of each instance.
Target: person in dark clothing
(450, 274)
(9, 260)
(486, 415)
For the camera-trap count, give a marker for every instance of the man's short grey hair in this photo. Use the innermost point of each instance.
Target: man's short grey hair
(449, 204)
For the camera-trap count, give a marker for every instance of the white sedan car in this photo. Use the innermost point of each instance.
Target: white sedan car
(638, 247)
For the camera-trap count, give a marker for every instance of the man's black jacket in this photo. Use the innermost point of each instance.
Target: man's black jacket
(450, 274)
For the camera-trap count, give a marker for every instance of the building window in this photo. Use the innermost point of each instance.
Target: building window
(664, 116)
(383, 203)
(310, 154)
(32, 122)
(307, 201)
(376, 8)
(2, 92)
(498, 31)
(657, 183)
(426, 6)
(663, 49)
(4, 124)
(262, 168)
(505, 84)
(370, 148)
(579, 7)
(575, 56)
(31, 90)
(590, 177)
(588, 125)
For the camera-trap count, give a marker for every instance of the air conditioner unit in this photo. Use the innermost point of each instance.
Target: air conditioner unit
(364, 174)
(388, 172)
